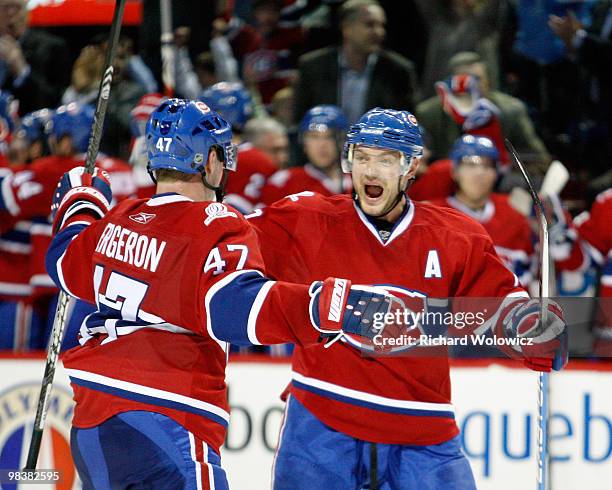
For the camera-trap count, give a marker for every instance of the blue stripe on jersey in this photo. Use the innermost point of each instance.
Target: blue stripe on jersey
(230, 307)
(16, 236)
(151, 400)
(374, 406)
(58, 246)
(607, 268)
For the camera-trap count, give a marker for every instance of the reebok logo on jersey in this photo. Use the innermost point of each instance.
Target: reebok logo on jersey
(337, 300)
(142, 218)
(217, 210)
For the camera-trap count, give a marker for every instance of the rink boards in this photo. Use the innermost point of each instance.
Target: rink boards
(495, 406)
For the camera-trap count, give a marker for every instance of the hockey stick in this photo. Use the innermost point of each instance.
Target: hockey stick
(543, 378)
(554, 181)
(167, 48)
(59, 323)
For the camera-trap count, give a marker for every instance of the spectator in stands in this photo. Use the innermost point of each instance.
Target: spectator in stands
(466, 104)
(34, 65)
(546, 80)
(359, 74)
(125, 92)
(270, 136)
(460, 25)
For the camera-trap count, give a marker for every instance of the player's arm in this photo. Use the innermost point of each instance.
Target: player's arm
(592, 228)
(26, 193)
(515, 315)
(80, 201)
(244, 307)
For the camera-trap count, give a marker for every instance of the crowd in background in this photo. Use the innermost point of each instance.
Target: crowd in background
(530, 71)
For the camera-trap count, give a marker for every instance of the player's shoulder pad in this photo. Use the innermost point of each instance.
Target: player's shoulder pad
(447, 218)
(309, 202)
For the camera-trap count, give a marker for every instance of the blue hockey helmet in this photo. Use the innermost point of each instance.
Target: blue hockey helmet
(74, 120)
(230, 99)
(181, 133)
(474, 146)
(385, 128)
(324, 118)
(33, 125)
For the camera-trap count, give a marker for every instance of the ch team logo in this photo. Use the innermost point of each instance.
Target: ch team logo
(17, 412)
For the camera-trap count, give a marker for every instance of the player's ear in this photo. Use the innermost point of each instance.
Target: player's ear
(414, 167)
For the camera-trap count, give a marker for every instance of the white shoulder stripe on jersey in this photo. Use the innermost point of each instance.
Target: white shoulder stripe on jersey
(369, 397)
(42, 280)
(399, 227)
(254, 313)
(148, 391)
(7, 195)
(60, 273)
(606, 280)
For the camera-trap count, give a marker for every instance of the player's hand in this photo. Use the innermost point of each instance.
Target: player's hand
(80, 192)
(543, 346)
(337, 307)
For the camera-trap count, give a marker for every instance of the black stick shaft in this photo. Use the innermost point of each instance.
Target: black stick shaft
(105, 88)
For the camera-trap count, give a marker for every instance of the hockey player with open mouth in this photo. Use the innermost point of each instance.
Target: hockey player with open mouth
(389, 417)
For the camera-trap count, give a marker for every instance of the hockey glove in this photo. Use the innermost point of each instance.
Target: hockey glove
(337, 308)
(541, 347)
(78, 193)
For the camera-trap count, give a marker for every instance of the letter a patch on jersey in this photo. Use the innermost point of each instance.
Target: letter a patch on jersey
(432, 268)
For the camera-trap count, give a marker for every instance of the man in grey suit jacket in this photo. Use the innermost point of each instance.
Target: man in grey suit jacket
(357, 75)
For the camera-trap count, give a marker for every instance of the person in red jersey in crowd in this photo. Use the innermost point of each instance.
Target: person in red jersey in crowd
(28, 193)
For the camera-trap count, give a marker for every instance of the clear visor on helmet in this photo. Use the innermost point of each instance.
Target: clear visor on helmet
(349, 156)
(476, 161)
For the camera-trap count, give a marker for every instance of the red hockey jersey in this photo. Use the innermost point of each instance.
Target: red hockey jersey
(29, 193)
(435, 183)
(173, 280)
(596, 233)
(431, 251)
(307, 178)
(509, 230)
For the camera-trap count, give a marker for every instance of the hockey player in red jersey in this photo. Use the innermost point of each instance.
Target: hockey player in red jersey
(596, 233)
(475, 162)
(322, 130)
(233, 101)
(28, 193)
(476, 168)
(391, 410)
(174, 278)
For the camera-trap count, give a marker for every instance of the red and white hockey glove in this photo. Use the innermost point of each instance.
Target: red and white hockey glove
(78, 193)
(338, 308)
(542, 347)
